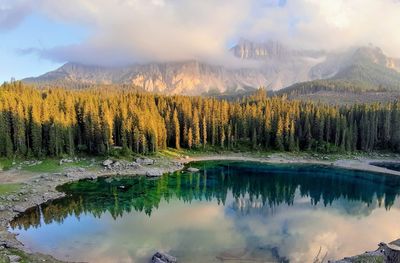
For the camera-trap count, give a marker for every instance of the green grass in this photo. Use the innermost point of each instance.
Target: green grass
(5, 164)
(9, 188)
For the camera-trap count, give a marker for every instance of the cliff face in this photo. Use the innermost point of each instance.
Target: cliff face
(277, 66)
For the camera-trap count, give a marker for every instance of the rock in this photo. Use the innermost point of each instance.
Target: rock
(154, 173)
(117, 164)
(192, 170)
(134, 165)
(161, 257)
(108, 163)
(186, 157)
(81, 170)
(18, 209)
(14, 258)
(2, 208)
(144, 161)
(391, 251)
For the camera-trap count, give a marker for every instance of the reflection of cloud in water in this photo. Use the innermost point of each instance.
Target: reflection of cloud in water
(177, 228)
(299, 231)
(278, 210)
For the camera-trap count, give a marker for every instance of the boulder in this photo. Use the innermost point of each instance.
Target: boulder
(108, 162)
(144, 161)
(14, 258)
(62, 161)
(192, 170)
(391, 251)
(134, 165)
(18, 209)
(161, 257)
(154, 173)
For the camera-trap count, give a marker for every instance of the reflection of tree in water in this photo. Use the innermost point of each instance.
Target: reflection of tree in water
(264, 185)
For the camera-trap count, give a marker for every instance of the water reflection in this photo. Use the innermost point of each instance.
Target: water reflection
(227, 211)
(389, 165)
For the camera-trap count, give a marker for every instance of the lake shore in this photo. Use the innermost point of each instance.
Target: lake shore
(38, 188)
(363, 164)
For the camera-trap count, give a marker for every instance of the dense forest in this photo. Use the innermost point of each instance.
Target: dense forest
(55, 122)
(329, 85)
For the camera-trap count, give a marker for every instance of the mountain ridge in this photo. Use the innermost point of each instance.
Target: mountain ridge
(278, 66)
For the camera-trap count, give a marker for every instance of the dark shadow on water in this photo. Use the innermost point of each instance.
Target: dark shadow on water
(388, 165)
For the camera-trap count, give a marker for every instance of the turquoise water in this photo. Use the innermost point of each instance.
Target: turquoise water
(228, 212)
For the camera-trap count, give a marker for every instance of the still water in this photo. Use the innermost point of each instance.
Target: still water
(389, 165)
(228, 212)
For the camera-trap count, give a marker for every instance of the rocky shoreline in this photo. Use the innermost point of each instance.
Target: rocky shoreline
(41, 188)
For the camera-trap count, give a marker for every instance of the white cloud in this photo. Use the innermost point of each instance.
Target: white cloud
(125, 31)
(142, 30)
(332, 24)
(12, 13)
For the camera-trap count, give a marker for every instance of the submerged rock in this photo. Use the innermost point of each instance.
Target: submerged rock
(192, 170)
(154, 173)
(161, 257)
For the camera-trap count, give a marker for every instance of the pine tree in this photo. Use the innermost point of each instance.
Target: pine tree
(177, 131)
(204, 131)
(190, 138)
(279, 135)
(196, 128)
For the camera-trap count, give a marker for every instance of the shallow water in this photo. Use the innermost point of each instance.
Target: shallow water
(228, 212)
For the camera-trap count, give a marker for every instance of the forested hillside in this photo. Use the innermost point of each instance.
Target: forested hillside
(55, 122)
(339, 92)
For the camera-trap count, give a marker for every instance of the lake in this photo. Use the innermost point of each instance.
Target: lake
(227, 212)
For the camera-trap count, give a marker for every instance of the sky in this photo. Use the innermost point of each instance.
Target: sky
(37, 36)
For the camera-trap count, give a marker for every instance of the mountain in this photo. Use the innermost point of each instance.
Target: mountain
(367, 65)
(270, 50)
(191, 77)
(359, 75)
(270, 64)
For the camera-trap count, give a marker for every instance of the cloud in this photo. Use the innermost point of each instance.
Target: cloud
(143, 30)
(12, 13)
(332, 24)
(127, 31)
